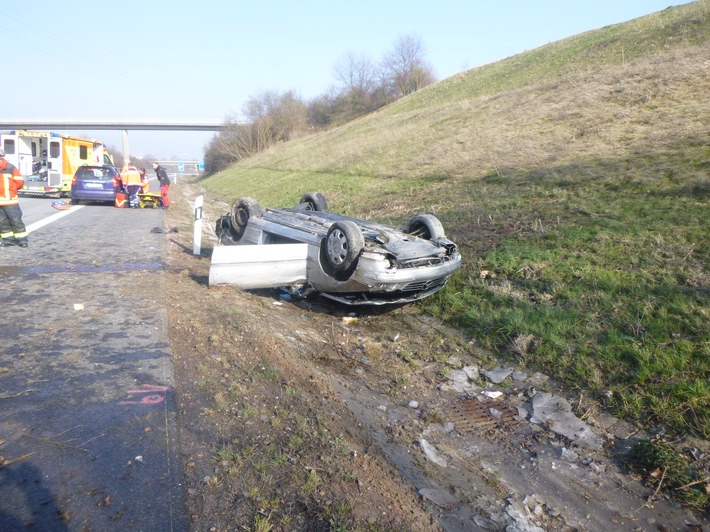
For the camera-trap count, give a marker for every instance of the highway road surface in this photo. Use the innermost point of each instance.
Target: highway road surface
(88, 437)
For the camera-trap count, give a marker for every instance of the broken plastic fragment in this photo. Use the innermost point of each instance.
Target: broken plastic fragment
(498, 374)
(440, 497)
(556, 413)
(432, 454)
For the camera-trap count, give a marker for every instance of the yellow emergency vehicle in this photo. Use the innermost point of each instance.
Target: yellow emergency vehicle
(48, 161)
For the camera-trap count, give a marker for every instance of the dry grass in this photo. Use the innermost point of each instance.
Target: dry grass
(578, 172)
(625, 110)
(614, 110)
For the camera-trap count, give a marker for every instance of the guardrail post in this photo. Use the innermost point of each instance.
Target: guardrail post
(197, 233)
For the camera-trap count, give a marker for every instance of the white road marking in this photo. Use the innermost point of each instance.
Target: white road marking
(53, 218)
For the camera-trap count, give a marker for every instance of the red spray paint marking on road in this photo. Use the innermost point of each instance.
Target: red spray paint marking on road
(152, 399)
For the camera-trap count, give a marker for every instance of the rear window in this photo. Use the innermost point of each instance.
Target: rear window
(95, 173)
(9, 146)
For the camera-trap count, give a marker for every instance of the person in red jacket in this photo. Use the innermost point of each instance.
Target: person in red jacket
(12, 228)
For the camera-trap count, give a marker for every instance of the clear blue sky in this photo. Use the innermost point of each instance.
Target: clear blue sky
(203, 59)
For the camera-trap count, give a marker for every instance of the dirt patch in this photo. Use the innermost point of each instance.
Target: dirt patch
(293, 419)
(264, 437)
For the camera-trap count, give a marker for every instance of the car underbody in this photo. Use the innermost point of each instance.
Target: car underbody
(349, 260)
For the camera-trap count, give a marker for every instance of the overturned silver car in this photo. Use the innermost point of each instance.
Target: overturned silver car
(311, 249)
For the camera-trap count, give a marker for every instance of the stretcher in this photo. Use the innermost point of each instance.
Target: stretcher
(149, 200)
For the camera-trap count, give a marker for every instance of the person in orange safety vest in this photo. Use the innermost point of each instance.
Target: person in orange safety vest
(131, 178)
(12, 228)
(145, 179)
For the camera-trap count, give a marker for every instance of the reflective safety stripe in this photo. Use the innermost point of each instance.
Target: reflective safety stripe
(5, 187)
(10, 182)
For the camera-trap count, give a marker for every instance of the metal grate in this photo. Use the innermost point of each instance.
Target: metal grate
(424, 285)
(472, 415)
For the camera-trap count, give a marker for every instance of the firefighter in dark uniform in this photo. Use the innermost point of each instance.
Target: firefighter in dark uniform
(12, 228)
(164, 183)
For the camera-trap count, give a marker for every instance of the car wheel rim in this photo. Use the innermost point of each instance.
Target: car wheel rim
(337, 247)
(242, 217)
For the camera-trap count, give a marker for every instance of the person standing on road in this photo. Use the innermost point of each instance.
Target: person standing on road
(164, 183)
(12, 228)
(144, 179)
(131, 179)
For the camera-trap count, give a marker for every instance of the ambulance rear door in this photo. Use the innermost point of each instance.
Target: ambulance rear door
(8, 142)
(54, 162)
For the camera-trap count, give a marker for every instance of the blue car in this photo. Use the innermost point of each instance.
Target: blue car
(95, 183)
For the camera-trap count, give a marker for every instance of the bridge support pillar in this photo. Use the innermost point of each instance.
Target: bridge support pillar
(126, 152)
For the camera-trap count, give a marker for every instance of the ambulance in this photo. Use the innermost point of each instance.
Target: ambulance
(48, 161)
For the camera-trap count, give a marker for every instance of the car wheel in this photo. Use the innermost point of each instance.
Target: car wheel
(343, 245)
(315, 201)
(242, 210)
(75, 201)
(426, 226)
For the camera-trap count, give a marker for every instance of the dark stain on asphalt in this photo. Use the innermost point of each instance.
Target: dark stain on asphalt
(82, 268)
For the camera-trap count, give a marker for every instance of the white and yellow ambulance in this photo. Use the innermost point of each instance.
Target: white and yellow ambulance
(48, 161)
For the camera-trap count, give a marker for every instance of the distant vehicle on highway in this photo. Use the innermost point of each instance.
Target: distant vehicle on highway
(95, 183)
(346, 259)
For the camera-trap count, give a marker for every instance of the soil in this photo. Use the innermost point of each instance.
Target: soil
(294, 418)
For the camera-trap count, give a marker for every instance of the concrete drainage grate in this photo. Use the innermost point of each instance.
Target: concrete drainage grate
(474, 414)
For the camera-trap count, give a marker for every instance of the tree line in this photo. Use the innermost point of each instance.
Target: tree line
(363, 86)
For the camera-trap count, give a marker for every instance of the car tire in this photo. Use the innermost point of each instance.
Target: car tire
(242, 210)
(426, 226)
(75, 201)
(342, 246)
(315, 201)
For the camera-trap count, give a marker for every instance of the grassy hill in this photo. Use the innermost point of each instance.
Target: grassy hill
(576, 175)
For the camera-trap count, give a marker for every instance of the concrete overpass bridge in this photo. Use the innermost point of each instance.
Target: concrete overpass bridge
(123, 125)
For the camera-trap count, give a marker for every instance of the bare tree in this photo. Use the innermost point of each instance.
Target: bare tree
(215, 158)
(322, 110)
(356, 73)
(235, 140)
(404, 66)
(275, 117)
(289, 118)
(259, 114)
(272, 117)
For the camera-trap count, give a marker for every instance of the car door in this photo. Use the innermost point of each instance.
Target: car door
(54, 163)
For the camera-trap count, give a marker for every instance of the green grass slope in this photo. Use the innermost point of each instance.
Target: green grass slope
(576, 175)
